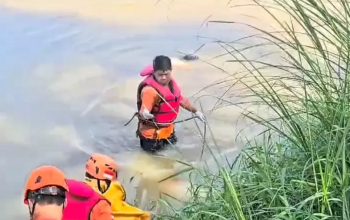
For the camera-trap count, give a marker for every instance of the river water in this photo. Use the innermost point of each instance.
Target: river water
(69, 84)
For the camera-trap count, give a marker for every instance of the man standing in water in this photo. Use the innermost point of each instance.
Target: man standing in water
(158, 101)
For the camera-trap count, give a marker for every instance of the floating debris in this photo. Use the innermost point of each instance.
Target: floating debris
(189, 57)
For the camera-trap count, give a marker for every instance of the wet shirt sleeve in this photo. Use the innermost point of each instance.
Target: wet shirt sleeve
(186, 104)
(101, 211)
(148, 97)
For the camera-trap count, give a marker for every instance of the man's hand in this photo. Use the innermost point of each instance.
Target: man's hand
(146, 114)
(200, 116)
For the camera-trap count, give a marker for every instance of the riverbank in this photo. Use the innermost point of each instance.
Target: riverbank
(299, 168)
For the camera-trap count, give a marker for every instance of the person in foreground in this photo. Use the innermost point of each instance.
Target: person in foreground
(45, 193)
(101, 173)
(50, 196)
(158, 102)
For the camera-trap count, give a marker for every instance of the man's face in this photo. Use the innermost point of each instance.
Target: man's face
(163, 77)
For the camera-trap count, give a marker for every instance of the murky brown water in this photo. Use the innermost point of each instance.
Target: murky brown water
(68, 85)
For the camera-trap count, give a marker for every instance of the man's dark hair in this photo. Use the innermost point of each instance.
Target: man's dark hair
(162, 63)
(44, 196)
(49, 200)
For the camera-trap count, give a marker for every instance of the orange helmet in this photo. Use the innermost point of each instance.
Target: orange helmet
(45, 177)
(101, 167)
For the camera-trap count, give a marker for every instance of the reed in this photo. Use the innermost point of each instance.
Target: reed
(299, 167)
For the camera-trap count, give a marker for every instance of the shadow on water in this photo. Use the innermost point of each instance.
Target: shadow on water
(54, 67)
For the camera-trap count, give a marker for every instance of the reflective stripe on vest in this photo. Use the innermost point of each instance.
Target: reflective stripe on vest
(168, 108)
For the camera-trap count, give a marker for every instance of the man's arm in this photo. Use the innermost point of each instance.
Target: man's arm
(148, 98)
(101, 211)
(186, 104)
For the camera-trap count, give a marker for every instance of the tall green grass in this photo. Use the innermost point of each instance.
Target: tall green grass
(303, 173)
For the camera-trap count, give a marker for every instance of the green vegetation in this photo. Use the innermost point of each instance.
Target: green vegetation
(300, 169)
